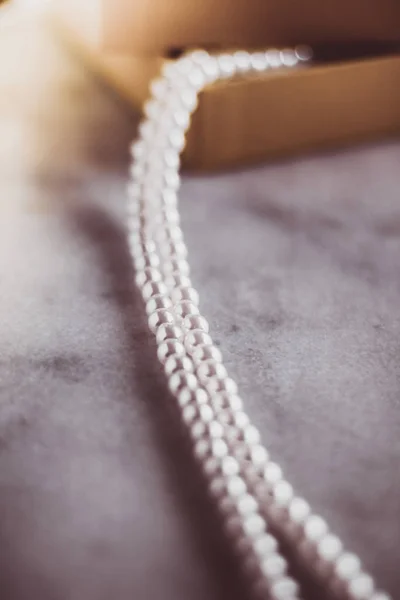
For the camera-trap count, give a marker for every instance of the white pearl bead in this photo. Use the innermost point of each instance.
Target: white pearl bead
(242, 61)
(235, 403)
(140, 247)
(155, 167)
(167, 332)
(161, 316)
(188, 98)
(303, 53)
(283, 493)
(152, 109)
(315, 528)
(181, 82)
(218, 403)
(148, 260)
(185, 308)
(135, 213)
(240, 419)
(189, 415)
(137, 171)
(195, 337)
(219, 448)
(147, 130)
(233, 526)
(272, 473)
(149, 274)
(134, 191)
(265, 545)
(169, 69)
(172, 182)
(182, 379)
(176, 139)
(284, 589)
(239, 449)
(196, 322)
(157, 302)
(224, 415)
(187, 396)
(206, 352)
(141, 226)
(201, 397)
(329, 547)
(199, 56)
(347, 566)
(171, 158)
(224, 400)
(210, 368)
(198, 430)
(152, 288)
(227, 506)
(159, 87)
(259, 61)
(252, 437)
(258, 456)
(273, 566)
(206, 413)
(168, 238)
(137, 149)
(222, 385)
(181, 118)
(230, 466)
(215, 429)
(361, 587)
(177, 249)
(178, 295)
(288, 58)
(176, 266)
(299, 510)
(170, 348)
(217, 487)
(211, 69)
(169, 197)
(247, 505)
(177, 363)
(210, 466)
(201, 450)
(174, 280)
(226, 64)
(196, 78)
(236, 486)
(167, 217)
(254, 525)
(185, 65)
(274, 58)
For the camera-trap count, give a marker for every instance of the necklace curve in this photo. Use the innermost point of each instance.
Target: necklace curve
(260, 511)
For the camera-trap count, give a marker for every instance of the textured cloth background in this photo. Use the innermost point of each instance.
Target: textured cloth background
(298, 268)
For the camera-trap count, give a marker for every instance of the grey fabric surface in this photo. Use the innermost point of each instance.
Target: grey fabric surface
(297, 265)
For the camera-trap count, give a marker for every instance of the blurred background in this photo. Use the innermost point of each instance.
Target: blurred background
(290, 205)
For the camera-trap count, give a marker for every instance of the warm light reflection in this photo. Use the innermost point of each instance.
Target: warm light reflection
(28, 4)
(14, 11)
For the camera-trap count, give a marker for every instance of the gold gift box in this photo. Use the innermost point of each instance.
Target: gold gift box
(329, 104)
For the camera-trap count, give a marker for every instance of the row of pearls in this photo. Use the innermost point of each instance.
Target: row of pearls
(248, 488)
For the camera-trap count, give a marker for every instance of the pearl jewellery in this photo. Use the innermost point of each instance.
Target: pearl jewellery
(259, 508)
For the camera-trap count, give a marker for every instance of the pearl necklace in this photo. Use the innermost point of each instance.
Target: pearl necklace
(258, 506)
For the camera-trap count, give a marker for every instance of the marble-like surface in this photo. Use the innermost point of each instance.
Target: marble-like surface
(297, 265)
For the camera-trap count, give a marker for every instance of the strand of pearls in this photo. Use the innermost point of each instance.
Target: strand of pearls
(258, 506)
